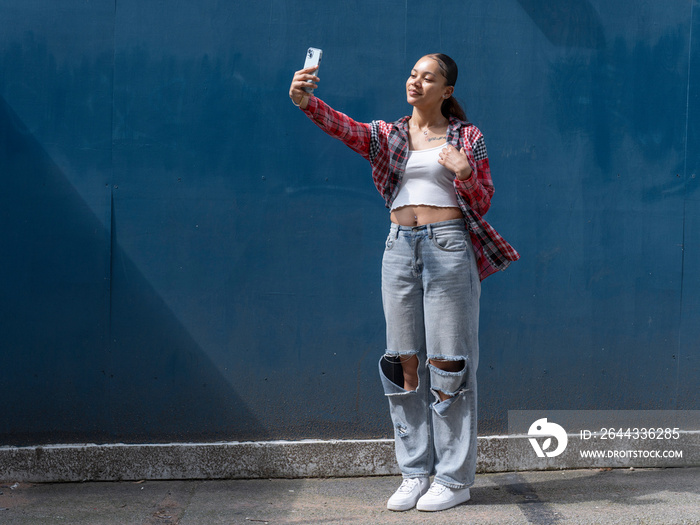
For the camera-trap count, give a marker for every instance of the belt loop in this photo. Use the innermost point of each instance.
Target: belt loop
(398, 228)
(430, 231)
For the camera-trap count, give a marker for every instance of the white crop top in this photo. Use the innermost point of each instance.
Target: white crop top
(426, 181)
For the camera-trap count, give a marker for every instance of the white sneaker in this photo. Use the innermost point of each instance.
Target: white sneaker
(440, 497)
(407, 495)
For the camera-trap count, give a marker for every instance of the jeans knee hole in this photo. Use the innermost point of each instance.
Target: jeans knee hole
(451, 365)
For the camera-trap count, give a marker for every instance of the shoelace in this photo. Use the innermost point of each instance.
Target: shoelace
(436, 489)
(408, 485)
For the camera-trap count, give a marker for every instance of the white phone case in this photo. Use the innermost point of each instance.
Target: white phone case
(313, 59)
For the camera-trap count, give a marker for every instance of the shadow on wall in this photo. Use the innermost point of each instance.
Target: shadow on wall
(567, 23)
(79, 362)
(142, 120)
(601, 85)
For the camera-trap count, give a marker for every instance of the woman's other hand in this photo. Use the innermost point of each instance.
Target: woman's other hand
(300, 81)
(456, 162)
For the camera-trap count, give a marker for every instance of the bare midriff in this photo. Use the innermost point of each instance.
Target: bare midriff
(419, 214)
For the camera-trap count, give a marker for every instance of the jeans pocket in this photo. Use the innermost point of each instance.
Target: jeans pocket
(389, 244)
(451, 240)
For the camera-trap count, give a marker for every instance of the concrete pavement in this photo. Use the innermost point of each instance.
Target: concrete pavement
(593, 496)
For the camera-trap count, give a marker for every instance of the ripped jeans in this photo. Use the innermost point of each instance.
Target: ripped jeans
(430, 292)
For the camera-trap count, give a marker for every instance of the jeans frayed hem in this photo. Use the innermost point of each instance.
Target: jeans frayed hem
(452, 485)
(393, 354)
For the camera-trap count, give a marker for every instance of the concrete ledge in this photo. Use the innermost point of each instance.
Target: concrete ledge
(270, 459)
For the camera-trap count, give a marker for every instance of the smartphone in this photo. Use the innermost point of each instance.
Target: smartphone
(313, 59)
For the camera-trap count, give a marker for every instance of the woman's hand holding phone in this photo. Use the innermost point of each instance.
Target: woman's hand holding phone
(303, 83)
(300, 82)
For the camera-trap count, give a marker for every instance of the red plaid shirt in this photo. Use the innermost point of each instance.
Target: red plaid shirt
(385, 146)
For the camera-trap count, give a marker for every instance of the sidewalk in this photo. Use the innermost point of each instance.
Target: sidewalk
(642, 496)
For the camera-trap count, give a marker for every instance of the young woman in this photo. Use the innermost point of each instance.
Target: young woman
(432, 170)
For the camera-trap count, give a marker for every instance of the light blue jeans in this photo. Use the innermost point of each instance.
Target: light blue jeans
(430, 292)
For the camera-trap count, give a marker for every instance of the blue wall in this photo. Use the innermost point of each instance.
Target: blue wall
(184, 256)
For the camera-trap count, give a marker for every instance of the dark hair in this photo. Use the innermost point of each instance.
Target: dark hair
(448, 67)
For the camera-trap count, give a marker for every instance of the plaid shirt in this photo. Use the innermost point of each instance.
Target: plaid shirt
(385, 146)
